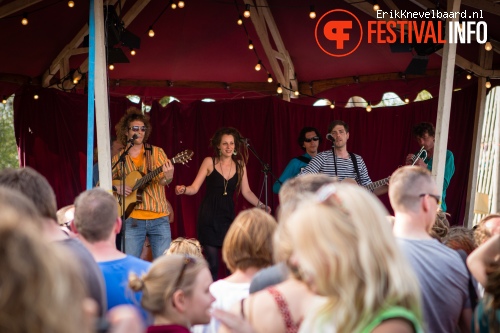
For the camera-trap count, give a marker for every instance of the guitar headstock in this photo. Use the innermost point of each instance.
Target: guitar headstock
(183, 157)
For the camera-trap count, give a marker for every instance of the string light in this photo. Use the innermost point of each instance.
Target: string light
(246, 13)
(488, 46)
(240, 20)
(71, 4)
(312, 13)
(4, 100)
(24, 21)
(488, 83)
(151, 32)
(258, 66)
(111, 67)
(172, 4)
(469, 76)
(279, 90)
(369, 107)
(180, 4)
(332, 105)
(376, 6)
(407, 100)
(250, 45)
(132, 52)
(35, 96)
(269, 78)
(296, 93)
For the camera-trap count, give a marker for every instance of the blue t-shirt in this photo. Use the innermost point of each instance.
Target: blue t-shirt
(115, 274)
(293, 168)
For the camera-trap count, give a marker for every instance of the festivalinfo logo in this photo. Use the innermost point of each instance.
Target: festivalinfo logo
(339, 32)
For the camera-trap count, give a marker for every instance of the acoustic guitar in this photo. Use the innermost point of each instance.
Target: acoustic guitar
(371, 186)
(138, 182)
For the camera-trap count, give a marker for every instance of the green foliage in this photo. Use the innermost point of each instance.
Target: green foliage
(8, 147)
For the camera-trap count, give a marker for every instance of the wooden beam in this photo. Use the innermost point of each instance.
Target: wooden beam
(486, 6)
(264, 24)
(486, 61)
(15, 6)
(474, 68)
(444, 105)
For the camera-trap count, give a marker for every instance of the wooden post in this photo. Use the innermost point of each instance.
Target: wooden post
(101, 99)
(485, 61)
(444, 104)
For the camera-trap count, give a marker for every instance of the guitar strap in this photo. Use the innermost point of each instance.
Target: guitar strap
(149, 152)
(303, 159)
(355, 163)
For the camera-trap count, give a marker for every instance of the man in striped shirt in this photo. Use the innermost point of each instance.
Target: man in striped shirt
(151, 216)
(343, 165)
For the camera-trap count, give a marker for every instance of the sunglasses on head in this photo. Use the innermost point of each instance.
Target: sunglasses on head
(137, 128)
(314, 138)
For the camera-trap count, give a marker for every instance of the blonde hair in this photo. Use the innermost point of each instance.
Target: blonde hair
(158, 284)
(181, 245)
(346, 246)
(248, 242)
(405, 186)
(40, 286)
(481, 233)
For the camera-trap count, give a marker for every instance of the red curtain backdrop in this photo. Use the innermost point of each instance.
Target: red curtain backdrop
(51, 134)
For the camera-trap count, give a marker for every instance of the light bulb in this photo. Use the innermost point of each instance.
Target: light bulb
(469, 76)
(369, 107)
(172, 4)
(312, 13)
(296, 93)
(24, 21)
(4, 100)
(71, 4)
(250, 45)
(132, 52)
(488, 83)
(332, 105)
(407, 100)
(269, 78)
(279, 90)
(376, 6)
(151, 32)
(111, 67)
(488, 46)
(35, 96)
(258, 66)
(180, 4)
(75, 81)
(240, 21)
(246, 13)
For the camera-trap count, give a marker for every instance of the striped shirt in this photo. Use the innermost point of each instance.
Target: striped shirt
(323, 163)
(153, 197)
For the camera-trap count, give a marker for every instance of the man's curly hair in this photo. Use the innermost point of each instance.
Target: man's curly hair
(419, 130)
(131, 115)
(481, 233)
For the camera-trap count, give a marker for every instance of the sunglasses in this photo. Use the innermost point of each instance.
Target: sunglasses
(436, 197)
(314, 138)
(137, 128)
(188, 260)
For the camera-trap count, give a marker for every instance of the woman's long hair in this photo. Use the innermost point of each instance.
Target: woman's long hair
(241, 157)
(346, 250)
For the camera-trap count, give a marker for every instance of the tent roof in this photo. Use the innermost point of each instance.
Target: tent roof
(199, 51)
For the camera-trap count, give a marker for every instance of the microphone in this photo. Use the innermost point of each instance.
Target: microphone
(132, 139)
(330, 137)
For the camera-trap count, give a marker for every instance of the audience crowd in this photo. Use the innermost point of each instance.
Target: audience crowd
(333, 261)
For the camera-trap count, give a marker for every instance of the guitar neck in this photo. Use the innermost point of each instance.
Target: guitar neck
(377, 184)
(147, 178)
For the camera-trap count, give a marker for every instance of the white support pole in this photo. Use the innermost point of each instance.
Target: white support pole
(444, 105)
(101, 100)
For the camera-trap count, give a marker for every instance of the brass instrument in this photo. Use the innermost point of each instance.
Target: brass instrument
(421, 154)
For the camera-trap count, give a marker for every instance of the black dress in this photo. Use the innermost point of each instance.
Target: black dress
(217, 210)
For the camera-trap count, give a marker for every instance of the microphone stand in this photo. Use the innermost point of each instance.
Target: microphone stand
(121, 199)
(265, 169)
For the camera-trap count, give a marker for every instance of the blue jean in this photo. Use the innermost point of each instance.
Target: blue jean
(158, 231)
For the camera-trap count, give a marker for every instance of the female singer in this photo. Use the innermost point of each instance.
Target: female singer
(226, 174)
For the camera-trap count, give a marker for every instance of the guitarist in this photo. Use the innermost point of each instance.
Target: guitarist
(309, 140)
(343, 164)
(151, 216)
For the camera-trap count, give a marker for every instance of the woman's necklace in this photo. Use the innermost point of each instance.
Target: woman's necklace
(226, 181)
